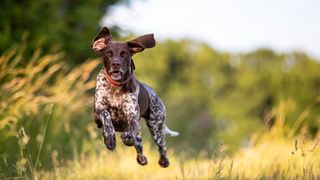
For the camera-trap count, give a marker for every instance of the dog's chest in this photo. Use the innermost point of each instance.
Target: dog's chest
(119, 104)
(122, 106)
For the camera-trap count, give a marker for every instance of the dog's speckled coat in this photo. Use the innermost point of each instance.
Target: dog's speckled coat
(120, 107)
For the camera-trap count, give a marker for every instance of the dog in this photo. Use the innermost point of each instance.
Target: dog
(121, 100)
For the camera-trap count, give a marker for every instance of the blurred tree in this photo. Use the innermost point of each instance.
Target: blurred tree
(67, 25)
(215, 97)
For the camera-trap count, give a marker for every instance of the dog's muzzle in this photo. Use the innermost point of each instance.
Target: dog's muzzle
(116, 74)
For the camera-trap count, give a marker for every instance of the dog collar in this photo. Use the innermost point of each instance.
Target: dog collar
(113, 82)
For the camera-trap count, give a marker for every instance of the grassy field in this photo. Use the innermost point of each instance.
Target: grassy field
(47, 132)
(270, 158)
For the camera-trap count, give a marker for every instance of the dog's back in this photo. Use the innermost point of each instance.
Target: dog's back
(143, 101)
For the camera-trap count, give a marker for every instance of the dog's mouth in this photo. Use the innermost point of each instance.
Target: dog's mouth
(116, 74)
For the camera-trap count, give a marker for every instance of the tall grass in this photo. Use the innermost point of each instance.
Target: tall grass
(272, 159)
(30, 93)
(271, 155)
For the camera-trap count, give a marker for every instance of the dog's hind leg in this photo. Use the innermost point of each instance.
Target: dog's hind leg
(136, 141)
(142, 159)
(132, 137)
(157, 127)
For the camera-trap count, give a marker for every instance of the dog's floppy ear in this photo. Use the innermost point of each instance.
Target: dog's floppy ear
(101, 40)
(140, 43)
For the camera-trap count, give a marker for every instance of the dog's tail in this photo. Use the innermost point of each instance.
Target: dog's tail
(170, 132)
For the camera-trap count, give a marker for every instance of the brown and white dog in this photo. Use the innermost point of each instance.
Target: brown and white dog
(121, 100)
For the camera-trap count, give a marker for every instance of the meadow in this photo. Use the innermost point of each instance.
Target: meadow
(245, 115)
(47, 131)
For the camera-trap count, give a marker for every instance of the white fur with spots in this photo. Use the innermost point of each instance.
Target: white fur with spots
(120, 111)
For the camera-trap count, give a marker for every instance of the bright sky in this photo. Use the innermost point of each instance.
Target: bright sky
(228, 25)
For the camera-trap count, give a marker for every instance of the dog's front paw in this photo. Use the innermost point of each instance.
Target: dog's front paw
(142, 160)
(127, 138)
(164, 161)
(110, 141)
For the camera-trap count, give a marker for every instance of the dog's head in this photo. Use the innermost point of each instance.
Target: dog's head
(117, 55)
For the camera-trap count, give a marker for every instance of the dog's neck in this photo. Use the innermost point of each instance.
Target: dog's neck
(116, 83)
(128, 85)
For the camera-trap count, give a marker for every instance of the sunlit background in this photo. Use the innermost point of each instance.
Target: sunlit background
(240, 80)
(229, 25)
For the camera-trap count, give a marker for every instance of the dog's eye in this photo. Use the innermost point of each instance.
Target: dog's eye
(123, 54)
(109, 53)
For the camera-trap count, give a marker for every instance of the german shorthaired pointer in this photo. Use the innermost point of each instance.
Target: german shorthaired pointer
(121, 100)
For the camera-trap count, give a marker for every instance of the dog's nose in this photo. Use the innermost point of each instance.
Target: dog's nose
(115, 64)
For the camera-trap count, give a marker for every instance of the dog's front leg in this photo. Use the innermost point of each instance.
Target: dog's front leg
(108, 130)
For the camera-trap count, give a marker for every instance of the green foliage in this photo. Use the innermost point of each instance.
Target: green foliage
(215, 97)
(57, 24)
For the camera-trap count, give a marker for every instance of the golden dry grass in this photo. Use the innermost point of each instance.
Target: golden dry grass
(45, 79)
(270, 158)
(32, 92)
(273, 155)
